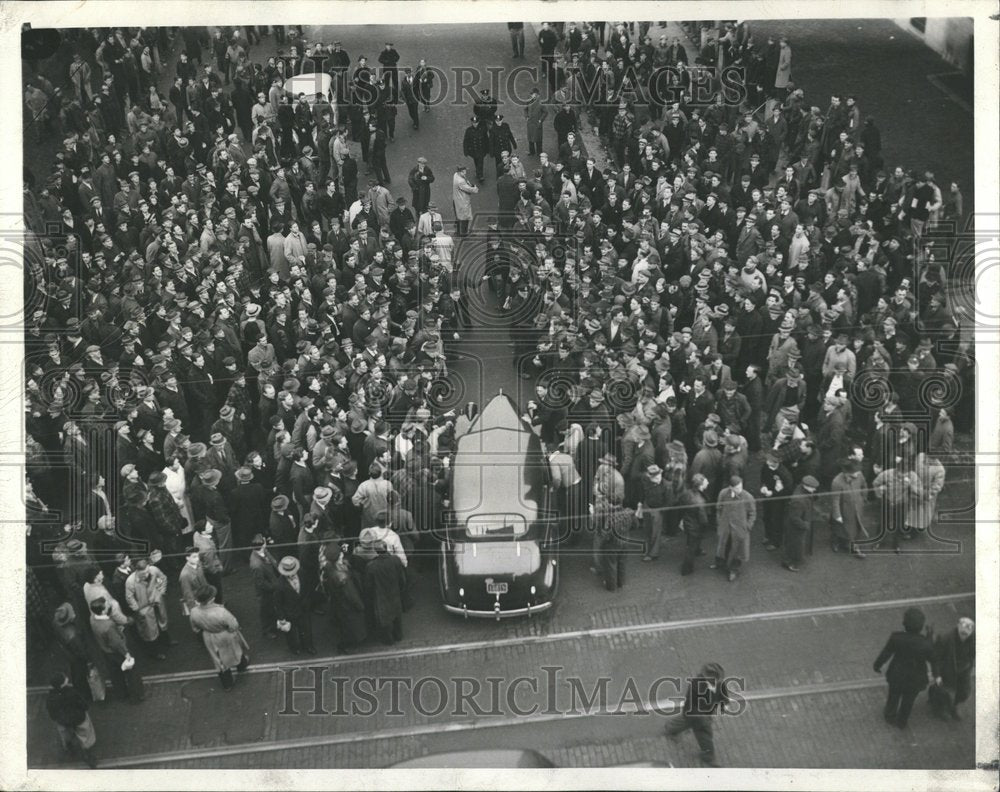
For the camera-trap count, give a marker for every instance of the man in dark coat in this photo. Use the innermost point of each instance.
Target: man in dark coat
(798, 522)
(293, 607)
(420, 180)
(508, 195)
(775, 487)
(909, 654)
(265, 576)
(282, 527)
(377, 143)
(247, 508)
(385, 590)
(501, 139)
(706, 695)
(476, 144)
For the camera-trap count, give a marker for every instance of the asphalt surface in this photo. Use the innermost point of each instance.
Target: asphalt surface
(819, 703)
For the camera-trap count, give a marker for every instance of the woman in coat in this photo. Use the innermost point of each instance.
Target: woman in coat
(221, 632)
(909, 654)
(925, 486)
(343, 586)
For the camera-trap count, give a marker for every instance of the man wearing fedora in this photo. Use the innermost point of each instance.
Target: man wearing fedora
(247, 507)
(265, 576)
(293, 607)
(282, 527)
(209, 504)
(798, 523)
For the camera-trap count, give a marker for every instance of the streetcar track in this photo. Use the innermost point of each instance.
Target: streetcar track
(598, 632)
(661, 703)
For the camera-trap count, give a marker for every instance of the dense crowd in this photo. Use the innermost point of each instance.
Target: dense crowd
(235, 353)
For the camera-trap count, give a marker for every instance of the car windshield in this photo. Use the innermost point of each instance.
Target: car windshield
(496, 525)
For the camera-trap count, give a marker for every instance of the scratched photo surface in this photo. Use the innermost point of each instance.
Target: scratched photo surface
(570, 394)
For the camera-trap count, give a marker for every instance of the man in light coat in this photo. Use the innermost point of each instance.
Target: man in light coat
(145, 594)
(921, 502)
(295, 246)
(735, 516)
(462, 191)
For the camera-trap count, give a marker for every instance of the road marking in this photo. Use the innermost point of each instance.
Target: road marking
(474, 725)
(666, 626)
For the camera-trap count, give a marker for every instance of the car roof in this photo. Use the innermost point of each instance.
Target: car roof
(498, 465)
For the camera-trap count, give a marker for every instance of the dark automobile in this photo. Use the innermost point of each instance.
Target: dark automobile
(499, 554)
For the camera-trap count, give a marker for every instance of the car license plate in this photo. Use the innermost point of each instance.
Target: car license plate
(496, 588)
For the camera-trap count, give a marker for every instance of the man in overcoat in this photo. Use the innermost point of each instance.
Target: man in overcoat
(535, 114)
(847, 502)
(293, 607)
(735, 516)
(798, 522)
(385, 590)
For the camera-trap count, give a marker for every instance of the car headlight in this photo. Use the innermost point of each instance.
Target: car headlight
(532, 591)
(461, 593)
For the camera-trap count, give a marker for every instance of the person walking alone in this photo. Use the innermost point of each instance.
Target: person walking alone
(476, 144)
(516, 38)
(706, 695)
(909, 654)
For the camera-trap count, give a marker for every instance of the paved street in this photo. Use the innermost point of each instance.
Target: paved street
(813, 700)
(786, 665)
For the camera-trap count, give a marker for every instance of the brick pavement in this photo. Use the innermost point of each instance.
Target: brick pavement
(828, 649)
(839, 730)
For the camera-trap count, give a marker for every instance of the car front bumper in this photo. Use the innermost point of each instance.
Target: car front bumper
(498, 614)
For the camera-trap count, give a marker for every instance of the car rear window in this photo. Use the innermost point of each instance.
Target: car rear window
(496, 525)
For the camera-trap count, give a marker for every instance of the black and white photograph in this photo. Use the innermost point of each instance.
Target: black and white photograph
(400, 396)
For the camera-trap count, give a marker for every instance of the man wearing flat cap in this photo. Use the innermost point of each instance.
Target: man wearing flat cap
(420, 179)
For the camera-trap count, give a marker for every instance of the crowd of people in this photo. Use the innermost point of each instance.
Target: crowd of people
(234, 352)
